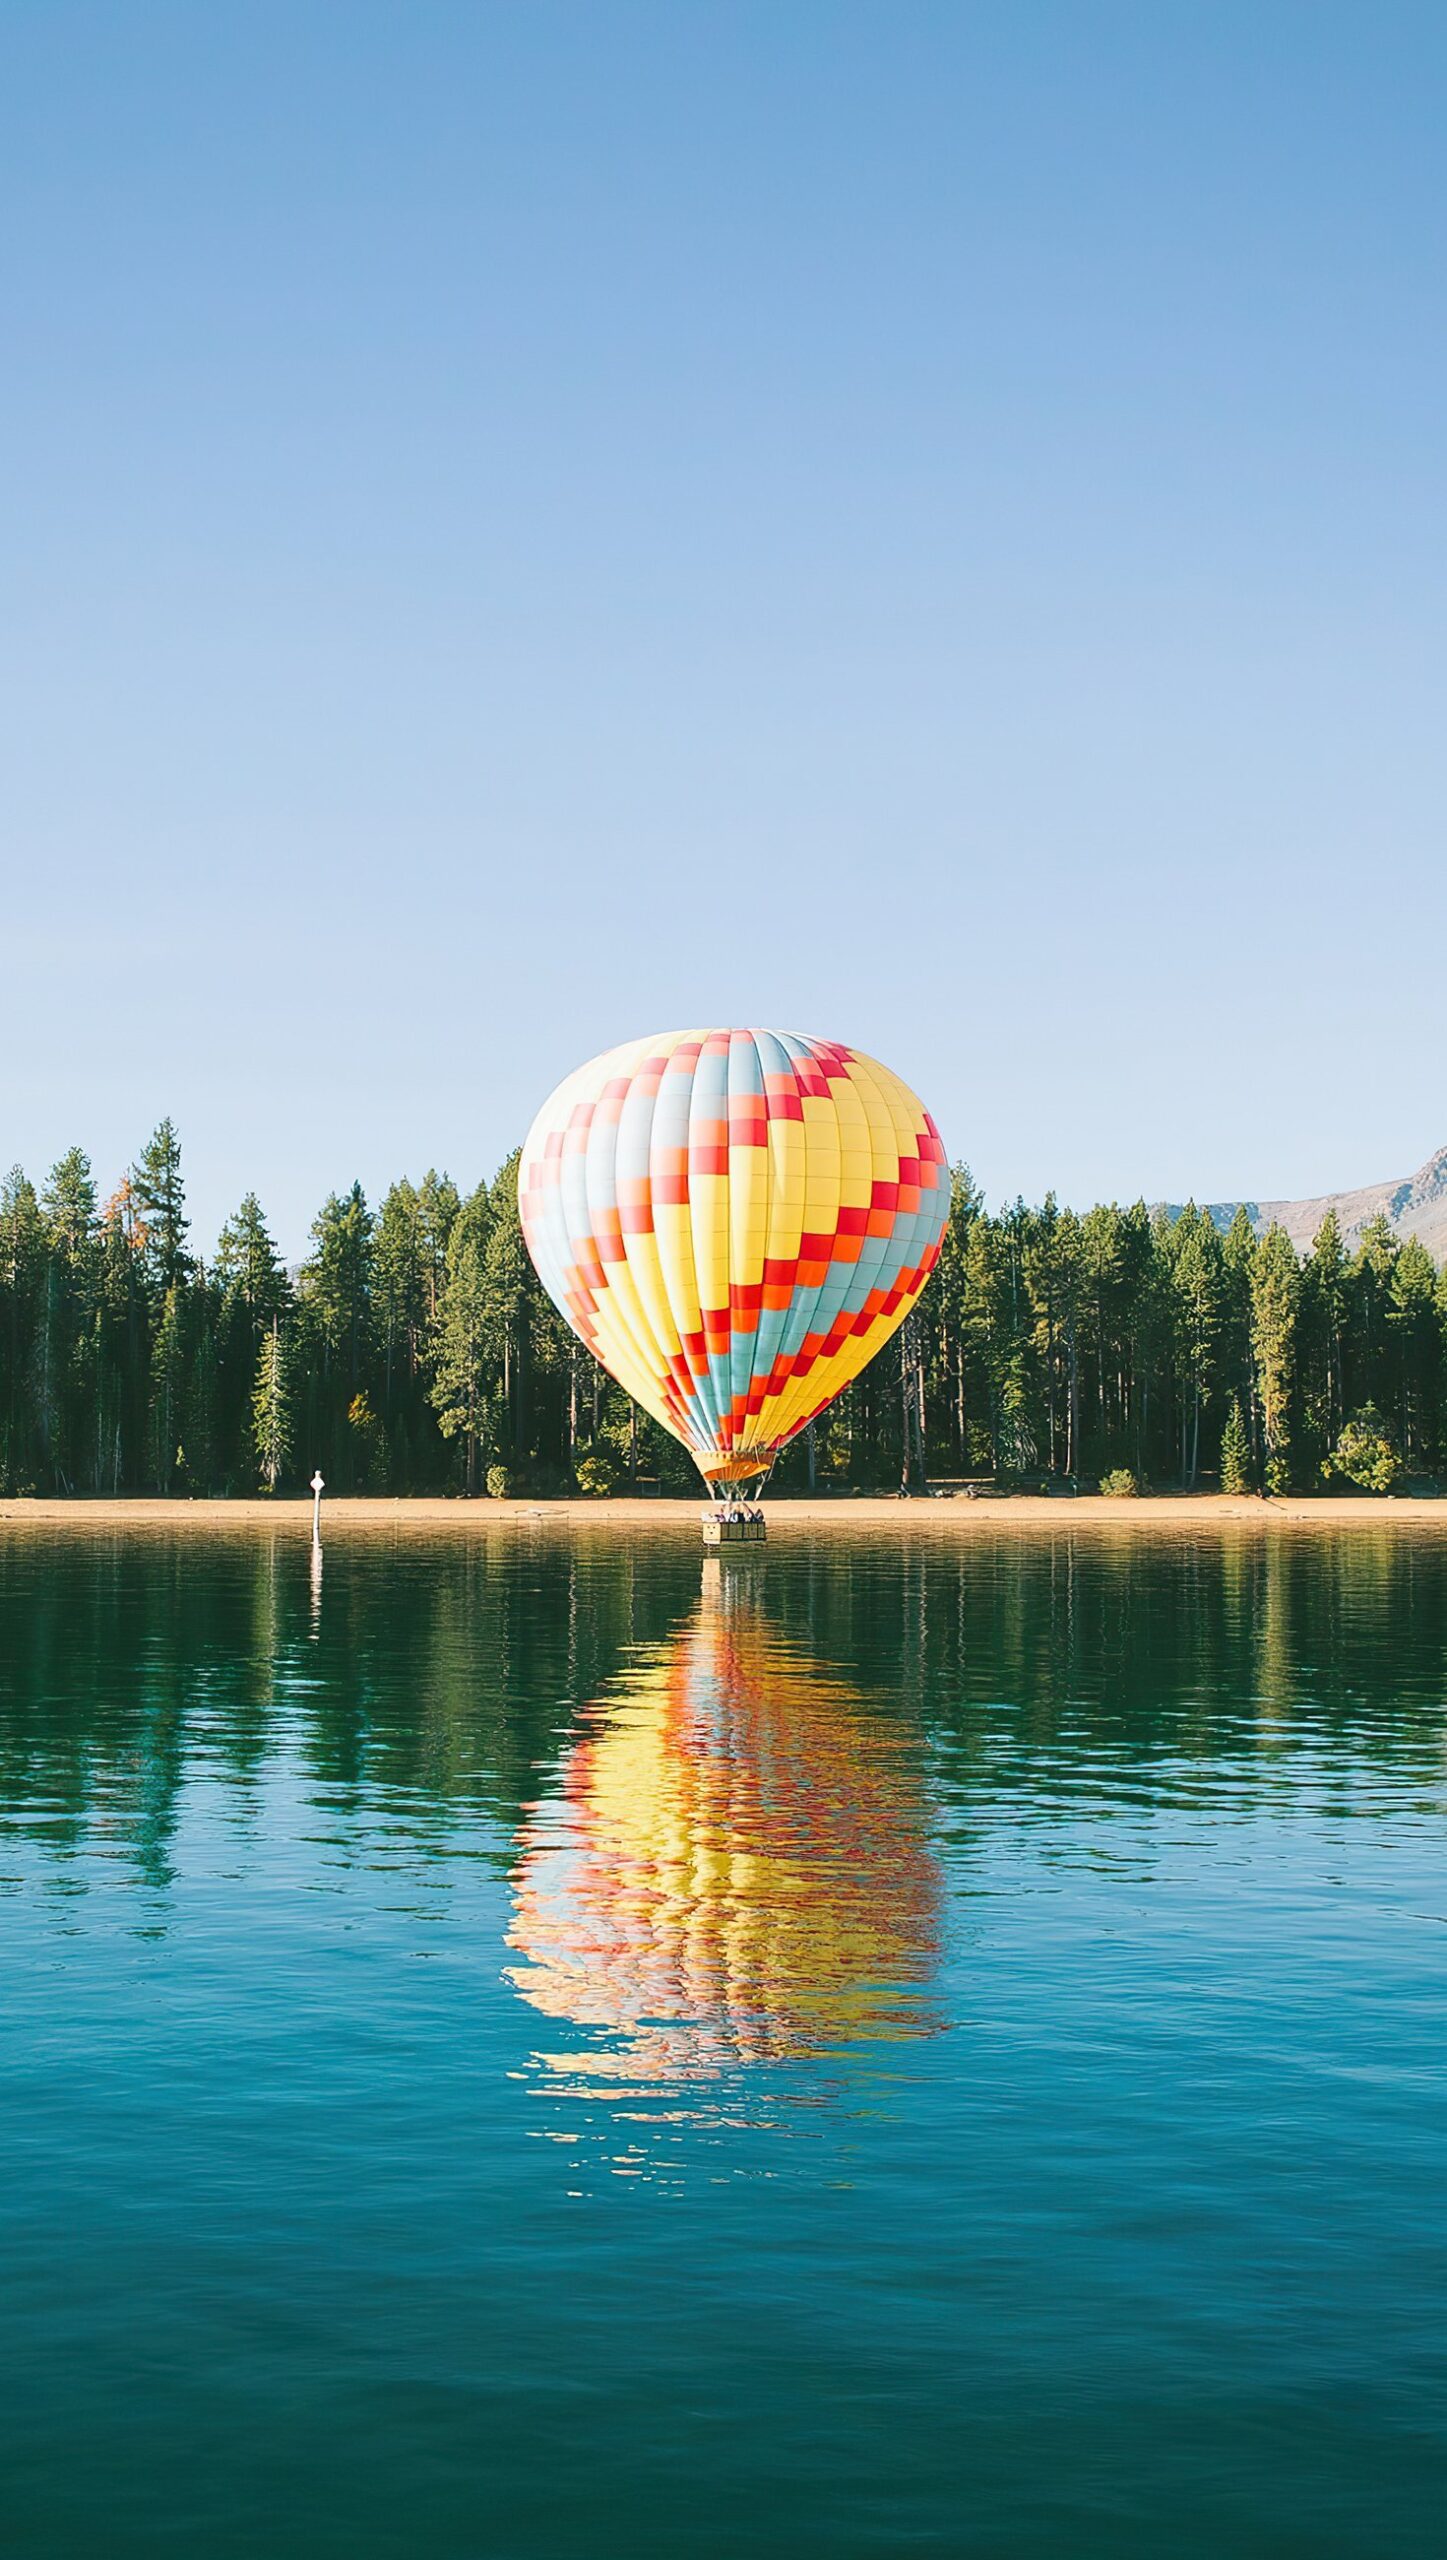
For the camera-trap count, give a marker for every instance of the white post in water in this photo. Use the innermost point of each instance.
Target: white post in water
(318, 1488)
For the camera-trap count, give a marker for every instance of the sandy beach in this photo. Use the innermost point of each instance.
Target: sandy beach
(950, 1516)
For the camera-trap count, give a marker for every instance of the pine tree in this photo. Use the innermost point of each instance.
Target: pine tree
(1236, 1474)
(167, 1379)
(461, 1360)
(1416, 1346)
(438, 1203)
(160, 1204)
(1198, 1293)
(122, 1332)
(1147, 1333)
(68, 1206)
(994, 1320)
(1071, 1252)
(398, 1286)
(1324, 1312)
(22, 1283)
(68, 1212)
(1239, 1248)
(1050, 1290)
(1275, 1301)
(201, 1412)
(952, 1353)
(248, 1267)
(271, 1420)
(1369, 1348)
(337, 1280)
(510, 1299)
(408, 1273)
(336, 1310)
(1105, 1309)
(369, 1444)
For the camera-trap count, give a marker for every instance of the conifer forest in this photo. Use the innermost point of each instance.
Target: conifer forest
(413, 1351)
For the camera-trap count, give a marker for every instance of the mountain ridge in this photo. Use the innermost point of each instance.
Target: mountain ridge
(1414, 1205)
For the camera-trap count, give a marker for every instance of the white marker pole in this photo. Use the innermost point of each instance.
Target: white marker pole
(318, 1488)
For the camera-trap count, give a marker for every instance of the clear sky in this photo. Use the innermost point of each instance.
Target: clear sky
(526, 524)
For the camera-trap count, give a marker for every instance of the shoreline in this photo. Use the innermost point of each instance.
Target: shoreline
(948, 1515)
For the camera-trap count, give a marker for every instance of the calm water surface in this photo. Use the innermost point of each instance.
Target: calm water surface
(527, 2043)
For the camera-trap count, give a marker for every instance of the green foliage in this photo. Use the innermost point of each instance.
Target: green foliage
(68, 1208)
(1237, 1473)
(24, 1279)
(415, 1351)
(160, 1208)
(1275, 1305)
(336, 1282)
(1325, 1317)
(248, 1268)
(271, 1414)
(511, 1307)
(398, 1288)
(336, 1334)
(369, 1445)
(1414, 1352)
(463, 1361)
(1196, 1300)
(167, 1382)
(1119, 1483)
(499, 1483)
(1365, 1454)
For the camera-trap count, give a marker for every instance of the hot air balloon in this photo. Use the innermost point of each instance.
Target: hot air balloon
(734, 1222)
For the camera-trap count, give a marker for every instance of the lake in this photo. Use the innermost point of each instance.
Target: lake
(526, 2041)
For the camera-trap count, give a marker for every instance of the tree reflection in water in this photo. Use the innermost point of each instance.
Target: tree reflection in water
(733, 1865)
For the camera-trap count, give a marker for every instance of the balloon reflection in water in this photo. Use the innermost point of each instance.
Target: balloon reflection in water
(735, 1864)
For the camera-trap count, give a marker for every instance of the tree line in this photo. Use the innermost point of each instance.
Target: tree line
(414, 1351)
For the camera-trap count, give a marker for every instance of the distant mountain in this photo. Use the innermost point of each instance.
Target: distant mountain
(1417, 1207)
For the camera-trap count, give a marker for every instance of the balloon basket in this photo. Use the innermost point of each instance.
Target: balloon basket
(723, 1532)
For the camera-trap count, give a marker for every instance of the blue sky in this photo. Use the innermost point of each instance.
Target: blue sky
(529, 524)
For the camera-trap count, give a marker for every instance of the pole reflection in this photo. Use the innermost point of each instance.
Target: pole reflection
(734, 1865)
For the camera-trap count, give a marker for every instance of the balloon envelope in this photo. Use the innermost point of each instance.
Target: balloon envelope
(734, 1222)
